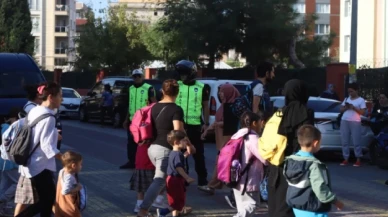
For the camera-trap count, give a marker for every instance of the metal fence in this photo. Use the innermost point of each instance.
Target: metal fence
(372, 81)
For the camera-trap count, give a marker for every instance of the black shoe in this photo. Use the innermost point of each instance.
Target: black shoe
(127, 166)
(230, 200)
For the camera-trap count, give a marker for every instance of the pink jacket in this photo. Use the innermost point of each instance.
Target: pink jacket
(256, 172)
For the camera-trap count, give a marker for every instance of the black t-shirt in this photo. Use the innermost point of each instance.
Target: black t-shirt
(163, 124)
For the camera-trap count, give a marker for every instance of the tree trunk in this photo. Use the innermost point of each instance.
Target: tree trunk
(293, 56)
(212, 60)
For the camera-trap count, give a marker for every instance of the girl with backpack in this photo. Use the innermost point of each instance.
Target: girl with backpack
(36, 184)
(247, 190)
(33, 98)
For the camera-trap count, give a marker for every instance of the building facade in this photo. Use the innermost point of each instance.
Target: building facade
(148, 11)
(54, 29)
(372, 32)
(328, 14)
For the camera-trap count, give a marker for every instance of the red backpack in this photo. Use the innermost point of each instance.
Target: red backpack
(141, 125)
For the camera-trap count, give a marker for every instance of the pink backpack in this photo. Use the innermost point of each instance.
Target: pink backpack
(141, 126)
(229, 169)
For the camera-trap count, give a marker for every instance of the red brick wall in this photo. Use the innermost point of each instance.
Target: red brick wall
(310, 9)
(335, 8)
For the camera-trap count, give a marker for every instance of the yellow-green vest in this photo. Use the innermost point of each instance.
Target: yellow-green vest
(138, 98)
(190, 100)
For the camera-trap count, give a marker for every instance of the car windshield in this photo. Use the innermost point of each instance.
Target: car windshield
(317, 105)
(12, 83)
(70, 94)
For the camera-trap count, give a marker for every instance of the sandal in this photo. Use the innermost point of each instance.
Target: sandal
(206, 189)
(186, 210)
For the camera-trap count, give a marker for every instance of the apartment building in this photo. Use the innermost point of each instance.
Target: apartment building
(54, 28)
(372, 32)
(328, 13)
(148, 11)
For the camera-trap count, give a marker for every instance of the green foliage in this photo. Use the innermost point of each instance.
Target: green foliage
(15, 27)
(114, 44)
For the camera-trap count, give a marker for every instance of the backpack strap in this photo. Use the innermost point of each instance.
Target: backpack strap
(161, 111)
(28, 104)
(38, 119)
(35, 122)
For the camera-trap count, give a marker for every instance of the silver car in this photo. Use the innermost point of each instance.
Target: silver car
(326, 113)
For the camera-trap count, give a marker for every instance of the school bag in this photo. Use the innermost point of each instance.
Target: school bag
(141, 126)
(7, 137)
(20, 148)
(229, 169)
(272, 145)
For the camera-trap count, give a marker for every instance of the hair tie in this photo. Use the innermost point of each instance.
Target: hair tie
(41, 88)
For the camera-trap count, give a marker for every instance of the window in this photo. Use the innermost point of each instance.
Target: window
(323, 8)
(348, 8)
(66, 93)
(60, 61)
(322, 29)
(34, 5)
(299, 8)
(35, 24)
(347, 43)
(37, 45)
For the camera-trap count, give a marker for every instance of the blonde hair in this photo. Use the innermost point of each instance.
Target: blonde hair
(71, 157)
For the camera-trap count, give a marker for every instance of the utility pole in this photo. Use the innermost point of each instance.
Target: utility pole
(353, 43)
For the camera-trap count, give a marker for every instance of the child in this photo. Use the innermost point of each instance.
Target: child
(10, 174)
(68, 187)
(176, 175)
(142, 178)
(309, 191)
(251, 125)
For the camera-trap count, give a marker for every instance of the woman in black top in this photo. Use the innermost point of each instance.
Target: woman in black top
(166, 116)
(295, 114)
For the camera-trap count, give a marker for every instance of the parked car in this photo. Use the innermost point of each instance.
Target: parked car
(71, 102)
(16, 71)
(215, 84)
(90, 105)
(326, 113)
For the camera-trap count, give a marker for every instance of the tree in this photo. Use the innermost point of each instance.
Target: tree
(166, 46)
(15, 27)
(114, 43)
(259, 30)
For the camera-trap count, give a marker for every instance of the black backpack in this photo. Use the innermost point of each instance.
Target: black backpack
(21, 146)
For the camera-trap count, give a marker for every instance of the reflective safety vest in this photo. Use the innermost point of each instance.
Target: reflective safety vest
(138, 98)
(190, 100)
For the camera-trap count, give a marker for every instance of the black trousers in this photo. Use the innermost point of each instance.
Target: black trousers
(194, 134)
(106, 110)
(277, 191)
(131, 148)
(45, 187)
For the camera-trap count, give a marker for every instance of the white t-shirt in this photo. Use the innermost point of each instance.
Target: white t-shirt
(28, 106)
(69, 182)
(258, 90)
(350, 114)
(45, 133)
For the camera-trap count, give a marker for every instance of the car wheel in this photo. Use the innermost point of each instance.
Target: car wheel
(82, 115)
(116, 120)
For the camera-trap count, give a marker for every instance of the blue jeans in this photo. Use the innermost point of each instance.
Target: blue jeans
(351, 130)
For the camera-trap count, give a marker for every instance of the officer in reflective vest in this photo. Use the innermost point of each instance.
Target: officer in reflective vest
(140, 94)
(193, 98)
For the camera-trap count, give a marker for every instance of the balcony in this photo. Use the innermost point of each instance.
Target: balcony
(61, 10)
(60, 50)
(61, 29)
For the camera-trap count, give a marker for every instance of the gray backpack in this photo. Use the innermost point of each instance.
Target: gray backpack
(21, 147)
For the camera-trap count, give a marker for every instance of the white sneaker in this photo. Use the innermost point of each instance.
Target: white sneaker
(137, 209)
(160, 203)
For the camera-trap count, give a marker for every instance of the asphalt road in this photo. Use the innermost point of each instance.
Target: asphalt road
(104, 150)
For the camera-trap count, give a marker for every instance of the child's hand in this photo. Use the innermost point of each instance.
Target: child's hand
(339, 205)
(190, 180)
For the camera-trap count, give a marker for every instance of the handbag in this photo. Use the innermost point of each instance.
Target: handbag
(339, 117)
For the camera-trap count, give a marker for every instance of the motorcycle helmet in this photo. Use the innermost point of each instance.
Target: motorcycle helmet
(186, 70)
